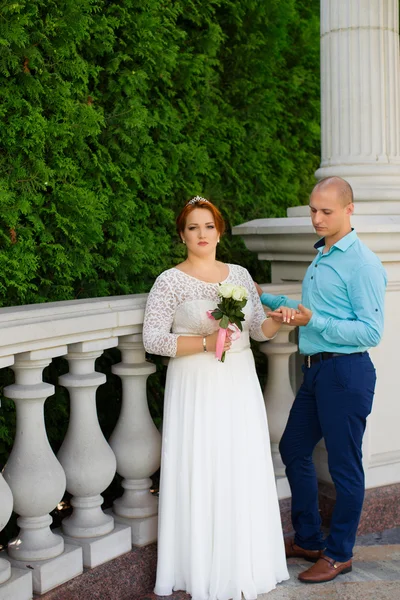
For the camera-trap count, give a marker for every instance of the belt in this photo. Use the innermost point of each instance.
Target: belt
(320, 356)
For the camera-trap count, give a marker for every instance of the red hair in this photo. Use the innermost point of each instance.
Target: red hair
(203, 203)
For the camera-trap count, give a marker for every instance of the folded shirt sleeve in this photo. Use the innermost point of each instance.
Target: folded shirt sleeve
(275, 302)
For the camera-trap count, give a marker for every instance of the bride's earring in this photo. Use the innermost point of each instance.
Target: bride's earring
(183, 242)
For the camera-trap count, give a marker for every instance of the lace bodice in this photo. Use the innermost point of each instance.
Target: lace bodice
(178, 303)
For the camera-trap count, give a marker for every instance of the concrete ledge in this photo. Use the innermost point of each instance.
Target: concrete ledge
(381, 508)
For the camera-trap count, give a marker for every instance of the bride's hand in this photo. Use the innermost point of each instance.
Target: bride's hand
(284, 314)
(211, 341)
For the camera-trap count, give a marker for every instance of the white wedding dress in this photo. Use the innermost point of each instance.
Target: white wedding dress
(220, 533)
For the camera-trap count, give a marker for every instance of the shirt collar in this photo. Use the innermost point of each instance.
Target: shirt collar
(343, 244)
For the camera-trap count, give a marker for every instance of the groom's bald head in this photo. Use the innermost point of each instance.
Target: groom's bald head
(338, 186)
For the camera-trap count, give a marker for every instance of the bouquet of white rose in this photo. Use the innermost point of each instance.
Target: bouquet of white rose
(229, 313)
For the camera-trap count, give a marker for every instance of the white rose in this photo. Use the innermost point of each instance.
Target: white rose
(225, 290)
(239, 293)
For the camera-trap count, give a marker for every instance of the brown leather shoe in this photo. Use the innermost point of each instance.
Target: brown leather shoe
(292, 550)
(325, 569)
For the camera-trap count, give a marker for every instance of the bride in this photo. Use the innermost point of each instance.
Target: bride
(220, 532)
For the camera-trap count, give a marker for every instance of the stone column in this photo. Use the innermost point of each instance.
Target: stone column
(137, 444)
(360, 73)
(360, 96)
(88, 460)
(279, 396)
(36, 478)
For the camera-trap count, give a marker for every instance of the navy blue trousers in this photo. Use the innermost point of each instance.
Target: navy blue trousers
(333, 403)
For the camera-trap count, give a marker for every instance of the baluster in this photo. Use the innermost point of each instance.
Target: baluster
(6, 506)
(136, 443)
(15, 584)
(6, 500)
(278, 395)
(36, 478)
(88, 461)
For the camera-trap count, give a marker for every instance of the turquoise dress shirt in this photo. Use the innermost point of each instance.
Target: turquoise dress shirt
(345, 290)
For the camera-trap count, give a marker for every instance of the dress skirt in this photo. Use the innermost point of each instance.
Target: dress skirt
(220, 533)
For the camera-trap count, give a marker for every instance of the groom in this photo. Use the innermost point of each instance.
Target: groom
(340, 317)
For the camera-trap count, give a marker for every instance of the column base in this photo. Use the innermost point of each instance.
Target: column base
(283, 487)
(98, 550)
(285, 503)
(279, 467)
(48, 574)
(143, 530)
(18, 586)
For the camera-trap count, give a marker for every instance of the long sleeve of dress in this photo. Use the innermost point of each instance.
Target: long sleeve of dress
(259, 315)
(158, 319)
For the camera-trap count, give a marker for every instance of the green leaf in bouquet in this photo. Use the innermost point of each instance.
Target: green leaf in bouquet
(217, 314)
(237, 322)
(224, 322)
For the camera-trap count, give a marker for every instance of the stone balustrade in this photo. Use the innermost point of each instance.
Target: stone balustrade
(35, 479)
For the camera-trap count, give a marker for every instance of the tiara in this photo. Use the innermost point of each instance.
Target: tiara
(198, 199)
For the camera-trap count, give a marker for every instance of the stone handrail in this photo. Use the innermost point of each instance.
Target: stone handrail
(32, 327)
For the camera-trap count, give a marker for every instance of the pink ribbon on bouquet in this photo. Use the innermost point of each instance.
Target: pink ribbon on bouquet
(222, 333)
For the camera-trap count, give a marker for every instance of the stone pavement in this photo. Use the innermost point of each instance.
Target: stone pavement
(375, 576)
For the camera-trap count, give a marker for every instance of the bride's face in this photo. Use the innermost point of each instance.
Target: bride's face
(200, 234)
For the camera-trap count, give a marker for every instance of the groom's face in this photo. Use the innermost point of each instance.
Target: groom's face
(329, 214)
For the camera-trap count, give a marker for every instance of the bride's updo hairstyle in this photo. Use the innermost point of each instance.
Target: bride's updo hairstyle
(199, 202)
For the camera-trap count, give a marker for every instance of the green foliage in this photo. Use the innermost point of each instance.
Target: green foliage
(113, 114)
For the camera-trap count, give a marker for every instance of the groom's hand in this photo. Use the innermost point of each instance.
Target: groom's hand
(291, 316)
(304, 316)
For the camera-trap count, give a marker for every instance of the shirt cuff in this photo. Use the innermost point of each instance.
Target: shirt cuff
(317, 323)
(267, 299)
